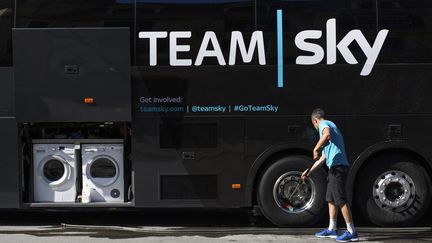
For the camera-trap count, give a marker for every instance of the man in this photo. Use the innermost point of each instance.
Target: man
(333, 153)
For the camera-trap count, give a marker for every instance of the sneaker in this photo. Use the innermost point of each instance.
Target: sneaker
(347, 236)
(326, 233)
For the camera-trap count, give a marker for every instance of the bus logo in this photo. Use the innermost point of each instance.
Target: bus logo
(210, 47)
(302, 42)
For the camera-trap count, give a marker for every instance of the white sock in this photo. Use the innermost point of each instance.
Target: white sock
(350, 228)
(333, 224)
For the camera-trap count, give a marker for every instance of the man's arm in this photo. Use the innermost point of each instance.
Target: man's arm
(323, 140)
(317, 164)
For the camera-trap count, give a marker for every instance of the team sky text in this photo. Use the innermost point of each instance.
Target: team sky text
(210, 47)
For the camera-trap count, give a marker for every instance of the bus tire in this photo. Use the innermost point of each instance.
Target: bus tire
(393, 190)
(281, 171)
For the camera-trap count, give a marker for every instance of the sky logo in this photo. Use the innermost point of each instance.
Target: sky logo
(302, 42)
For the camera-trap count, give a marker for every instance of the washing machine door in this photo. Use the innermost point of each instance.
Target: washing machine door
(55, 171)
(103, 171)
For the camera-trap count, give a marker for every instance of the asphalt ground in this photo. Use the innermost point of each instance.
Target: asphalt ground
(176, 226)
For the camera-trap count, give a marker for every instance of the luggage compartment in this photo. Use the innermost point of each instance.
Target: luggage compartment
(72, 74)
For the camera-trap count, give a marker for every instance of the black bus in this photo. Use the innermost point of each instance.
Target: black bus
(206, 104)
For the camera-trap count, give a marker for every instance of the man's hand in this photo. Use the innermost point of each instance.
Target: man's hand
(318, 162)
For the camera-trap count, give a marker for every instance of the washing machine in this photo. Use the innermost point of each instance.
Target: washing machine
(103, 173)
(54, 173)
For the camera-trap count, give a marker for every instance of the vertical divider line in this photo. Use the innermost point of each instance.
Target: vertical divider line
(279, 47)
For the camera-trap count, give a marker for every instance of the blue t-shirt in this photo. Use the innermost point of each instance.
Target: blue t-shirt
(334, 151)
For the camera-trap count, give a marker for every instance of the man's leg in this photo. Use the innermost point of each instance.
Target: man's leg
(333, 213)
(330, 232)
(342, 202)
(346, 212)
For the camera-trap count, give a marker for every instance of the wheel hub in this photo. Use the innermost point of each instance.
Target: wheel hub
(394, 190)
(291, 195)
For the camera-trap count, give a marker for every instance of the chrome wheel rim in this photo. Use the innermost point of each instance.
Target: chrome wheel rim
(394, 191)
(292, 196)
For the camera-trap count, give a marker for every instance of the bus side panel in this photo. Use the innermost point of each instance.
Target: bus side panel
(9, 168)
(174, 167)
(9, 176)
(7, 93)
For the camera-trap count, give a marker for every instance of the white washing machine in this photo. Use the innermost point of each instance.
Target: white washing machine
(54, 173)
(103, 176)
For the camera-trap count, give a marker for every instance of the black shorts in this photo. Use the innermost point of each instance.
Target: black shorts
(336, 182)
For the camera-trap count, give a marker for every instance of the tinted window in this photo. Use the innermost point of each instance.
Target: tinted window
(80, 13)
(410, 36)
(6, 24)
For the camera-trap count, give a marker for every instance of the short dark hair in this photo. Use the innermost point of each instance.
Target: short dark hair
(318, 113)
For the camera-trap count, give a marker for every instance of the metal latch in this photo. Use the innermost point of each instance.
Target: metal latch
(188, 155)
(72, 69)
(294, 129)
(394, 129)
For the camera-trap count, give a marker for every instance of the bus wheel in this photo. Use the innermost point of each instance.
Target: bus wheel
(284, 200)
(393, 190)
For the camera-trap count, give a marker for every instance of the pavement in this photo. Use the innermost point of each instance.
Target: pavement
(66, 233)
(176, 226)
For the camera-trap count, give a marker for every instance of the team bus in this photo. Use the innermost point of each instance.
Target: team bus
(135, 104)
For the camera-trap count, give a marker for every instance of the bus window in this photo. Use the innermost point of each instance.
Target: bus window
(81, 13)
(6, 23)
(410, 35)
